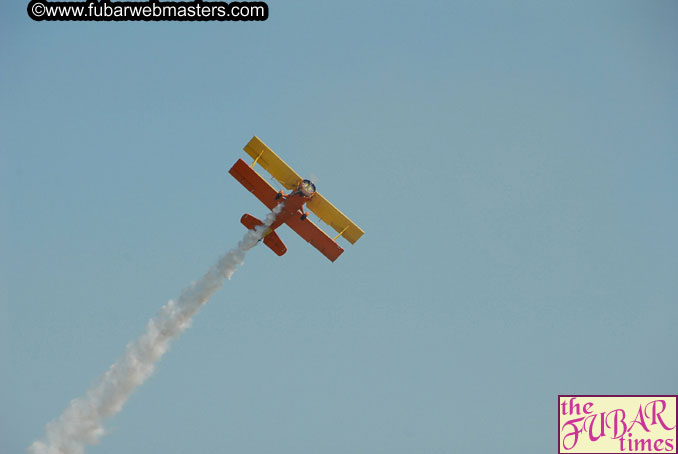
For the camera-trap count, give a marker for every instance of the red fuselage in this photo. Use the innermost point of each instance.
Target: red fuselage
(292, 212)
(293, 206)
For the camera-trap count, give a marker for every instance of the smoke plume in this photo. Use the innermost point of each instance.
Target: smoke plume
(81, 423)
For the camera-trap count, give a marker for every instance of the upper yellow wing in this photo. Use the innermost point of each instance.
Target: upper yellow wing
(272, 163)
(319, 205)
(334, 218)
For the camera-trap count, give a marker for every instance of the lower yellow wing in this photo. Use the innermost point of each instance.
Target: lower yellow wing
(272, 163)
(334, 218)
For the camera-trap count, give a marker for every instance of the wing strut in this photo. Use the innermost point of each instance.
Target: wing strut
(341, 233)
(257, 158)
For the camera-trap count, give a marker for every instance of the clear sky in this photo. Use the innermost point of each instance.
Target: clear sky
(514, 166)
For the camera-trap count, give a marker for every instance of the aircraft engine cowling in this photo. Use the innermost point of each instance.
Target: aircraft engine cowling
(307, 188)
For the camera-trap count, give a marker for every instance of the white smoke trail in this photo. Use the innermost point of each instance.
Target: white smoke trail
(81, 423)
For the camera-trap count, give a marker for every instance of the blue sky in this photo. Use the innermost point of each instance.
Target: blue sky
(513, 165)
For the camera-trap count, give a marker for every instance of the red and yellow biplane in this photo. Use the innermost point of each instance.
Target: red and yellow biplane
(292, 213)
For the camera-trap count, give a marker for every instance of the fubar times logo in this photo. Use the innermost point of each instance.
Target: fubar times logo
(617, 424)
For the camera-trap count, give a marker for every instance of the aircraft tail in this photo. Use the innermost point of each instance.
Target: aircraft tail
(271, 239)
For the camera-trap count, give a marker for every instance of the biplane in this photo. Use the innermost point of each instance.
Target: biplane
(303, 192)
